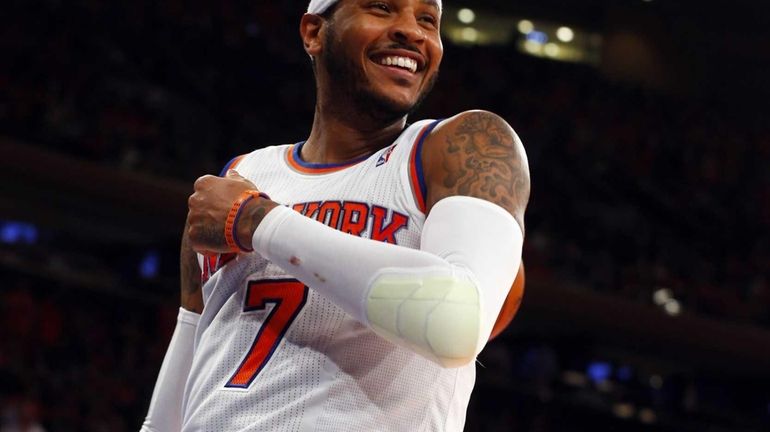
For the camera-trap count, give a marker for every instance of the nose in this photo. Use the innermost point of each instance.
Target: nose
(406, 29)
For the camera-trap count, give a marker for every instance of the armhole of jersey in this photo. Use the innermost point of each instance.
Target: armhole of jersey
(232, 164)
(416, 175)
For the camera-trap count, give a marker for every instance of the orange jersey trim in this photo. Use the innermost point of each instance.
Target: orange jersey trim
(232, 164)
(416, 175)
(296, 163)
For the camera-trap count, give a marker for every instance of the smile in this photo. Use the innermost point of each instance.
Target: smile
(401, 62)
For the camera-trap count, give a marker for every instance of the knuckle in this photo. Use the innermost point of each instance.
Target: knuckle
(192, 233)
(202, 181)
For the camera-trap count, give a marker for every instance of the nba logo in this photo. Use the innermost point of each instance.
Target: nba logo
(385, 156)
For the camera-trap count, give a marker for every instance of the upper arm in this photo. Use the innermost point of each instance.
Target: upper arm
(478, 154)
(191, 297)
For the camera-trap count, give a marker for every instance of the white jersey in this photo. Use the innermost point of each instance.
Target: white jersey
(274, 355)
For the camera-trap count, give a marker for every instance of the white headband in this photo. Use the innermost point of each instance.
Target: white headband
(319, 6)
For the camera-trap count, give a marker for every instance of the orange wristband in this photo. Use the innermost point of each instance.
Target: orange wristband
(231, 224)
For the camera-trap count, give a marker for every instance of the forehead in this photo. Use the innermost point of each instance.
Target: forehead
(431, 3)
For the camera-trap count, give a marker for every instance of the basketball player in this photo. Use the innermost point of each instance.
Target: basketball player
(350, 280)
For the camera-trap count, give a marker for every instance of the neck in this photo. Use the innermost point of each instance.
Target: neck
(340, 134)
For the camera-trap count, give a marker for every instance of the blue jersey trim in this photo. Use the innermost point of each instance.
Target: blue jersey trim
(228, 165)
(310, 165)
(418, 157)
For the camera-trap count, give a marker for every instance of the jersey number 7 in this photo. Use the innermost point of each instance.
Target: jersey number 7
(288, 296)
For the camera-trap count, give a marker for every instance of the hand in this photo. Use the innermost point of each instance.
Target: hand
(209, 206)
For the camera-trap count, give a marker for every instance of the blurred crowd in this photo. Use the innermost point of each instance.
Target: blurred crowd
(633, 190)
(639, 192)
(74, 360)
(170, 87)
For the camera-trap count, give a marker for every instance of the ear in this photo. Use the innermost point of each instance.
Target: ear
(310, 30)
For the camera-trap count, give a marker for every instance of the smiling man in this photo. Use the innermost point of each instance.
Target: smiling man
(349, 280)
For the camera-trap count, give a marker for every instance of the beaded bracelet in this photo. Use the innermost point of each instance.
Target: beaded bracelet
(231, 224)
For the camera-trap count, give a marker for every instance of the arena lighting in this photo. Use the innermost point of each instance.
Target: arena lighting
(565, 34)
(13, 232)
(672, 307)
(661, 296)
(623, 410)
(537, 37)
(150, 265)
(470, 34)
(466, 16)
(605, 386)
(599, 371)
(574, 378)
(656, 382)
(551, 49)
(647, 416)
(525, 26)
(533, 47)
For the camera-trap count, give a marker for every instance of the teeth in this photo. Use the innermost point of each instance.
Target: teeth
(402, 62)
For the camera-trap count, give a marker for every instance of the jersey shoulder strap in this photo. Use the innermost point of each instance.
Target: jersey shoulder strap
(411, 143)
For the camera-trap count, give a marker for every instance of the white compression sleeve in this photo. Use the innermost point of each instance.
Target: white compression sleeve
(165, 412)
(440, 301)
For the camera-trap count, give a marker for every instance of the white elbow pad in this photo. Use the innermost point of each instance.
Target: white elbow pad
(446, 313)
(437, 315)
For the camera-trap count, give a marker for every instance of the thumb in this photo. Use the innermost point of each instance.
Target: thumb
(231, 173)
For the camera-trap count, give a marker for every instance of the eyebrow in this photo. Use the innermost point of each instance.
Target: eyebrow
(433, 3)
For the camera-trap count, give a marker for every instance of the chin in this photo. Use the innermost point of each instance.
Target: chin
(398, 105)
(403, 103)
(382, 107)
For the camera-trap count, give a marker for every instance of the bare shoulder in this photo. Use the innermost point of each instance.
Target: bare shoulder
(478, 154)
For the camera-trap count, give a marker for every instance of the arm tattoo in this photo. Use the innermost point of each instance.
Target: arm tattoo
(190, 277)
(254, 213)
(481, 158)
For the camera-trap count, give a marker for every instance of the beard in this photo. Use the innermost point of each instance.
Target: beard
(349, 81)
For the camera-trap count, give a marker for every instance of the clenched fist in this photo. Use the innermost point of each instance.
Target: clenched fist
(209, 206)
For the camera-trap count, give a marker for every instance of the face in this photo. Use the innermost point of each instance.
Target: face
(383, 55)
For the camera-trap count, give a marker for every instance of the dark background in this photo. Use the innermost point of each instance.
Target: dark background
(649, 173)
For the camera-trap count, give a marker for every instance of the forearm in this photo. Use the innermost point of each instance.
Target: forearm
(440, 301)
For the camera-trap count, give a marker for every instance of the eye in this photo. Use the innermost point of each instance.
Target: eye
(430, 19)
(380, 6)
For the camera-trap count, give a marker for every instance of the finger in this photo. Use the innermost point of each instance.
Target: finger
(234, 175)
(201, 182)
(195, 200)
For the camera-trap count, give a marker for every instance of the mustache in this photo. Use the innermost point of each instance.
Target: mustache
(403, 46)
